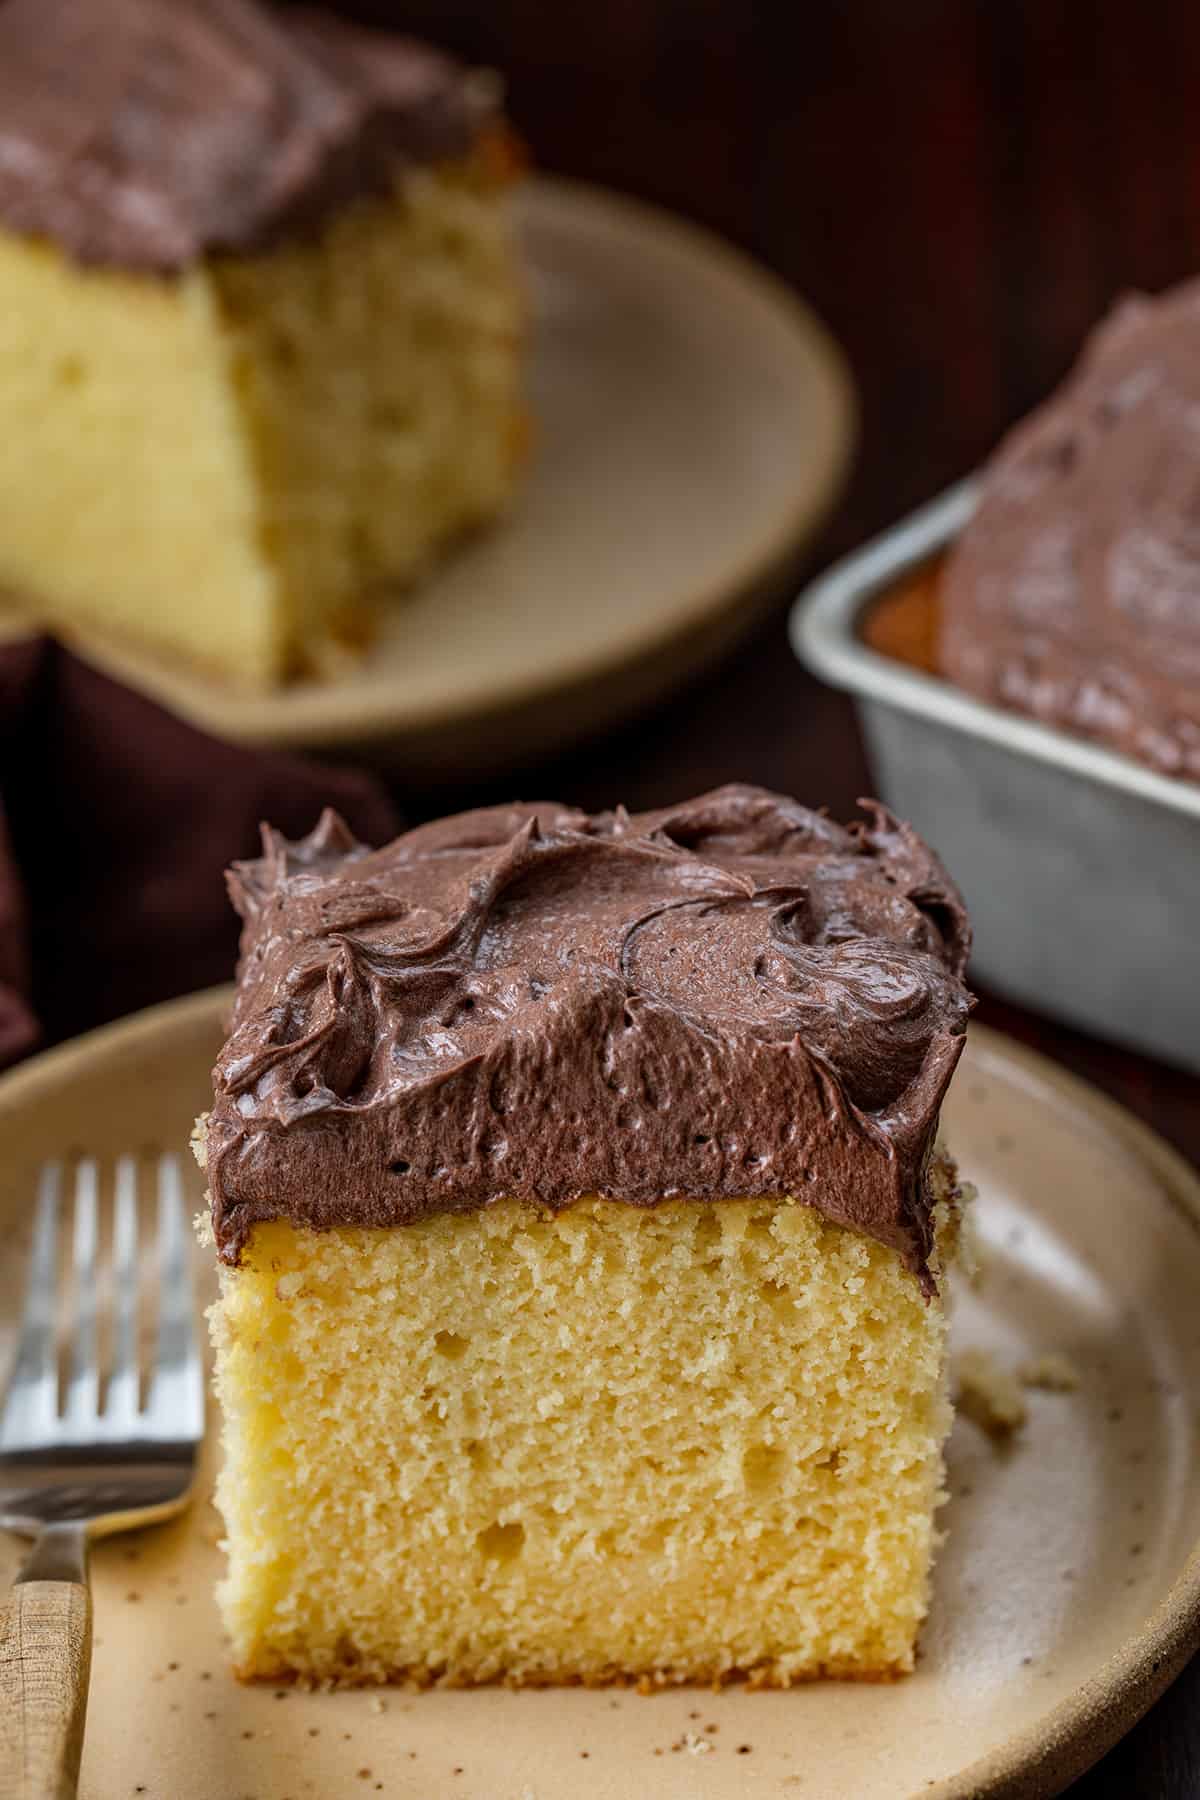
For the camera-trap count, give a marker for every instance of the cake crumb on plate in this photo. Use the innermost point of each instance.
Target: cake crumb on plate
(1051, 1371)
(989, 1394)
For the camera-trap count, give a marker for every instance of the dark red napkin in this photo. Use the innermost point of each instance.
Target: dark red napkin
(117, 821)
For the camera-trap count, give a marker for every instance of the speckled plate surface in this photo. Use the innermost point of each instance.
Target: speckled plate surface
(693, 425)
(1065, 1598)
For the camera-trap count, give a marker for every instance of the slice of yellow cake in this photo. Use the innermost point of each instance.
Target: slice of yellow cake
(259, 322)
(582, 1240)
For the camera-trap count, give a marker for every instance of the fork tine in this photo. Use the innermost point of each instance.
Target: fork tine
(122, 1405)
(175, 1403)
(83, 1384)
(31, 1407)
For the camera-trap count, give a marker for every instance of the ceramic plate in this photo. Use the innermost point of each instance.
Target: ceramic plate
(693, 425)
(1065, 1598)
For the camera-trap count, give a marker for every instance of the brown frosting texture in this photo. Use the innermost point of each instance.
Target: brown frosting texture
(144, 133)
(1074, 593)
(731, 996)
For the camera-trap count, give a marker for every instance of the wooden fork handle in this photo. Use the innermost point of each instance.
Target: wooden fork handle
(45, 1660)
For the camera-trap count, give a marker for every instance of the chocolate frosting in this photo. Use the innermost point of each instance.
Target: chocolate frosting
(144, 133)
(731, 996)
(1074, 593)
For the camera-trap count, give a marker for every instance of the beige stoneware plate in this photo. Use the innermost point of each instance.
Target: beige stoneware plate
(694, 422)
(1065, 1599)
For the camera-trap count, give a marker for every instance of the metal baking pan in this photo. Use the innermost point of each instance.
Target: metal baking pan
(1081, 867)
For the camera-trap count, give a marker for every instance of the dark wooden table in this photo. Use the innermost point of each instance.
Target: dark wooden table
(961, 188)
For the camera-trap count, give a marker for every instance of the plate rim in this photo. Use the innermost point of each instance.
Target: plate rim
(1037, 1763)
(228, 710)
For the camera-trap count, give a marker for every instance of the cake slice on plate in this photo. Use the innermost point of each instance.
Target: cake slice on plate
(259, 322)
(582, 1232)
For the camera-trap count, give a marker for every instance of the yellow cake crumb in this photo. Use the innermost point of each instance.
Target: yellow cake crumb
(1051, 1371)
(688, 1442)
(988, 1394)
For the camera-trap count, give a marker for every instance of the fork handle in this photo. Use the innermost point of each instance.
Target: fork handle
(45, 1660)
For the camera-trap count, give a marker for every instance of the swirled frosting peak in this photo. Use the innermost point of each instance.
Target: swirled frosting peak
(144, 133)
(731, 996)
(1074, 593)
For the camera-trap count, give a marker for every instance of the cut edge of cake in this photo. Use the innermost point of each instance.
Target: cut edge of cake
(309, 1322)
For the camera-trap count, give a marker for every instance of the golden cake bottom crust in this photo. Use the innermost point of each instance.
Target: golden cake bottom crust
(697, 1442)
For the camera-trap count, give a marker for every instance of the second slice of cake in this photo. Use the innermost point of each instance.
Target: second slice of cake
(582, 1240)
(260, 323)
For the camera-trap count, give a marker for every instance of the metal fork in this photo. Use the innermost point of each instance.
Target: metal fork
(82, 1470)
